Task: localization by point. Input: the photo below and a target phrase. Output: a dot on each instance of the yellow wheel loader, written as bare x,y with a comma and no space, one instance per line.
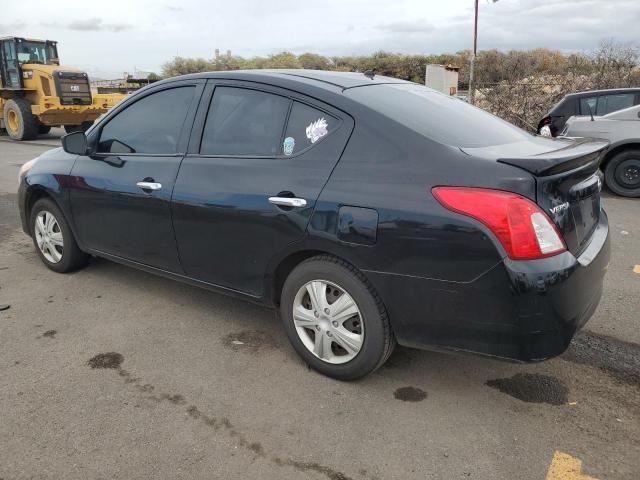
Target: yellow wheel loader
36,93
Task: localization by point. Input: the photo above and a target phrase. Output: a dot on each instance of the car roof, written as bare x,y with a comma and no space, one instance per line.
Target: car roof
329,80
602,92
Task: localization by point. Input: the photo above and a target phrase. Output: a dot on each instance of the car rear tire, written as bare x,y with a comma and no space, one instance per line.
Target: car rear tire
334,319
53,239
20,123
622,173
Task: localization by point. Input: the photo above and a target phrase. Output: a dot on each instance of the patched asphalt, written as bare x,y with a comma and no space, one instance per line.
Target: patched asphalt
616,357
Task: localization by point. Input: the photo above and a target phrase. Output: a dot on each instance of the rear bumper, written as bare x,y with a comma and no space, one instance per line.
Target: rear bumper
518,310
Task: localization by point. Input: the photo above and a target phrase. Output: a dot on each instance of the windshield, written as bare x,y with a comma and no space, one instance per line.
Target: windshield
440,117
35,52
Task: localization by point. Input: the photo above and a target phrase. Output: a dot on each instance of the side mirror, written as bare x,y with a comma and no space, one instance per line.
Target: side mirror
75,143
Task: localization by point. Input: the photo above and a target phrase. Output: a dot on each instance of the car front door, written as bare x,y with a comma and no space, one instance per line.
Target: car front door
258,159
121,194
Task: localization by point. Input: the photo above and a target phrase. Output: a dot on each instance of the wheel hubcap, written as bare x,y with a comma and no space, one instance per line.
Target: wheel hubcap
628,173
12,120
49,236
328,321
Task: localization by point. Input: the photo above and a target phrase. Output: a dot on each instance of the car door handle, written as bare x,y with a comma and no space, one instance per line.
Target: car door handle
149,185
288,201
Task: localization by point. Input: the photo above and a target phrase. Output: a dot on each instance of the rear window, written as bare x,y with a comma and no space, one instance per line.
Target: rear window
442,118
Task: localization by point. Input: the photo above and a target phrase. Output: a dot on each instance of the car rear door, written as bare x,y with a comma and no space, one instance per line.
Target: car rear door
258,159
120,195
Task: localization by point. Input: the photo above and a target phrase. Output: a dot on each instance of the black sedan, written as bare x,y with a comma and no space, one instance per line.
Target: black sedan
368,210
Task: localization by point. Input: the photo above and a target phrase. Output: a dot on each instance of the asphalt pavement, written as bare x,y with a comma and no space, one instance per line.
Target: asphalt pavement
112,373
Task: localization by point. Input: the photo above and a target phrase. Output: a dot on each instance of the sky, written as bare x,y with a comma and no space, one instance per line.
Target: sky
111,37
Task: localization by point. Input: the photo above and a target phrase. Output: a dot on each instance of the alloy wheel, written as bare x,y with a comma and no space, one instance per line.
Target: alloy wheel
49,236
328,321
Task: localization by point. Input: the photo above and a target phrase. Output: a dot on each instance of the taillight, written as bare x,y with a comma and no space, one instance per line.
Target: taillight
523,229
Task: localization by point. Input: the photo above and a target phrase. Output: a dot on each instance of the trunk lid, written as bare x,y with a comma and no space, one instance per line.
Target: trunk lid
568,181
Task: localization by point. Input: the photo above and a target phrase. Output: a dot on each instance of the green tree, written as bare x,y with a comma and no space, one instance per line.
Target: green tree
182,66
283,60
313,61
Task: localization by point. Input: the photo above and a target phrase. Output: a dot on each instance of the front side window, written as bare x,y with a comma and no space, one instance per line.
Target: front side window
35,52
244,122
588,105
9,51
613,103
151,125
11,71
307,125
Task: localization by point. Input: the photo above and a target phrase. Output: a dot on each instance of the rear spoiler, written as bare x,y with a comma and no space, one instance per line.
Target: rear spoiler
582,152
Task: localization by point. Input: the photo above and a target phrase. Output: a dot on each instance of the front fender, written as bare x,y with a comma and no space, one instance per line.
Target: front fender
47,177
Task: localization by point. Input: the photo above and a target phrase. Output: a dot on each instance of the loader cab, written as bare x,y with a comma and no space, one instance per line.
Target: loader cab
16,52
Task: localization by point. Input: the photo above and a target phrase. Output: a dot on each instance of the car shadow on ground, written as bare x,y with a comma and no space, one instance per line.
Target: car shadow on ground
455,373
404,362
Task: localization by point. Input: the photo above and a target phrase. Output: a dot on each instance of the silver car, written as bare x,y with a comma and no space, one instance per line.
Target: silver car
621,164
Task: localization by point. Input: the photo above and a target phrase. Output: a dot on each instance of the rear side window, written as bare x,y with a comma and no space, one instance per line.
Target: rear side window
151,125
244,122
442,118
307,126
613,103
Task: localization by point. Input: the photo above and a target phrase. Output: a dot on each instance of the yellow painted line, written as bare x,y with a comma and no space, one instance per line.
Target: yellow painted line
636,269
566,467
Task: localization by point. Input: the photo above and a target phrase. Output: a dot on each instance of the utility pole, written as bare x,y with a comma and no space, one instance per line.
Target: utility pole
472,81
472,85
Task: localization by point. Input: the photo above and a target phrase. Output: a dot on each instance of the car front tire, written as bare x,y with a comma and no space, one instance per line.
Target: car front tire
53,239
334,319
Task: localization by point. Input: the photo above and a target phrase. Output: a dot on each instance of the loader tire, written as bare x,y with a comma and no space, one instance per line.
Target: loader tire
44,129
20,123
72,128
78,128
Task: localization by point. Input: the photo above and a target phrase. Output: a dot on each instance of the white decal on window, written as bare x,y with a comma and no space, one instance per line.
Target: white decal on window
317,130
288,145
